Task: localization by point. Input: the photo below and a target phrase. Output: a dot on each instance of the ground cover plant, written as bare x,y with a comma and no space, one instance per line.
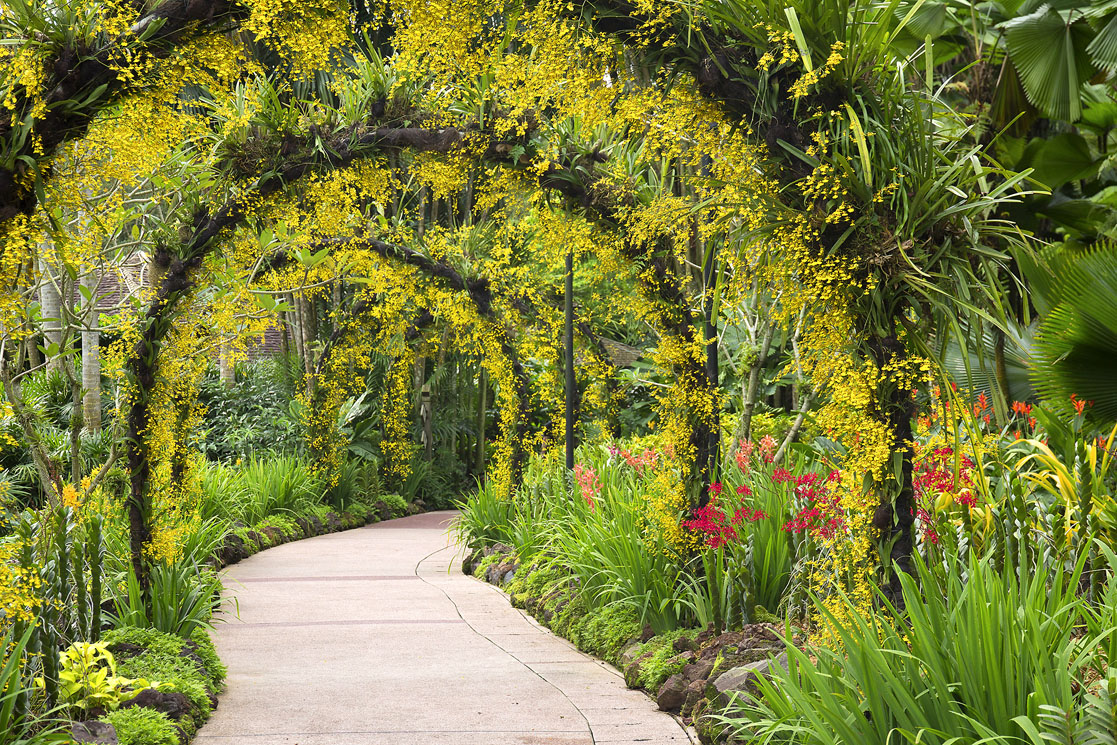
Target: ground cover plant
836,274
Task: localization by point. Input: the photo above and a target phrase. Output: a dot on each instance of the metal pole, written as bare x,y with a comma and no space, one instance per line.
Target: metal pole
568,341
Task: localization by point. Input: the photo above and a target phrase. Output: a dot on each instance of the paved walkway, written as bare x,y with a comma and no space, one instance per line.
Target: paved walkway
375,637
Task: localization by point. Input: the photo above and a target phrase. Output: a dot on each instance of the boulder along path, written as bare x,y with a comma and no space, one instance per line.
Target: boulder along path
374,636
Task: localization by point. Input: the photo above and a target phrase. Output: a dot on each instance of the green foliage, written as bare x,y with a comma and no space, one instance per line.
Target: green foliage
284,523
396,504
283,483
254,417
202,647
18,725
486,563
486,517
603,632
182,599
978,657
533,580
140,726
660,660
1076,344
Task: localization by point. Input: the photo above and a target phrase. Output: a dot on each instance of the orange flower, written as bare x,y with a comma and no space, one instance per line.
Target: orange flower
1019,407
1079,404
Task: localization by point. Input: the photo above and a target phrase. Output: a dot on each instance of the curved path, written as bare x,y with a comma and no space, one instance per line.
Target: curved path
374,636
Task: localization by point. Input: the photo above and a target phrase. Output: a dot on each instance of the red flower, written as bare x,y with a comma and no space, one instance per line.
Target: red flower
1079,404
711,521
744,490
781,475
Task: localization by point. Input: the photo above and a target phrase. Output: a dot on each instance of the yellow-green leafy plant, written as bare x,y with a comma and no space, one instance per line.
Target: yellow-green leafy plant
88,680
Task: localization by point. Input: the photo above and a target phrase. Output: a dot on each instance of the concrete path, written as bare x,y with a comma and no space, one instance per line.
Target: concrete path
375,637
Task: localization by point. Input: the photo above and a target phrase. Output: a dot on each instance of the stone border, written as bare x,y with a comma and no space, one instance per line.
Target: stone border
711,669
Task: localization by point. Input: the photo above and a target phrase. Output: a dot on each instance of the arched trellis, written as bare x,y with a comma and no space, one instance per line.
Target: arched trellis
657,283
492,347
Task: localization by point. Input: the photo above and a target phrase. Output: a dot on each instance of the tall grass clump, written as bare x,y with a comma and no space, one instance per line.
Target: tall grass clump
278,484
977,657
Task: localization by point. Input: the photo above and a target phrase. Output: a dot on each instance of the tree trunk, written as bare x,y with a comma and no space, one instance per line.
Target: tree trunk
709,278
45,466
91,355
568,342
77,422
307,332
294,318
50,304
226,370
895,515
482,409
752,385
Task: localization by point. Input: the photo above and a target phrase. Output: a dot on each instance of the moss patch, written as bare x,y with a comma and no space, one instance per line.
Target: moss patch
659,660
139,726
603,632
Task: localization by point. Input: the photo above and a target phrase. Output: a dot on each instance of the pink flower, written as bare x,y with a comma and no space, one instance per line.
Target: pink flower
744,455
589,484
767,448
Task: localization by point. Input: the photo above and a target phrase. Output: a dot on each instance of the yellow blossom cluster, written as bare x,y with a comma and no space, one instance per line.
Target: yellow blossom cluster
19,596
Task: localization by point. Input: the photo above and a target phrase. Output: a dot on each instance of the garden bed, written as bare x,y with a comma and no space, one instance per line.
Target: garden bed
689,672
185,675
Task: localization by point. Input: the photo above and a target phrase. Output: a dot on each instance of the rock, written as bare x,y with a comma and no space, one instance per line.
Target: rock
333,522
647,633
501,573
695,692
672,693
632,673
629,653
256,540
190,652
470,562
232,550
175,705
383,511
684,644
741,679
272,535
698,670
125,650
98,733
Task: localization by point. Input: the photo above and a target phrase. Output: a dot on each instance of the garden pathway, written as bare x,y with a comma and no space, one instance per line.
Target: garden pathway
374,637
